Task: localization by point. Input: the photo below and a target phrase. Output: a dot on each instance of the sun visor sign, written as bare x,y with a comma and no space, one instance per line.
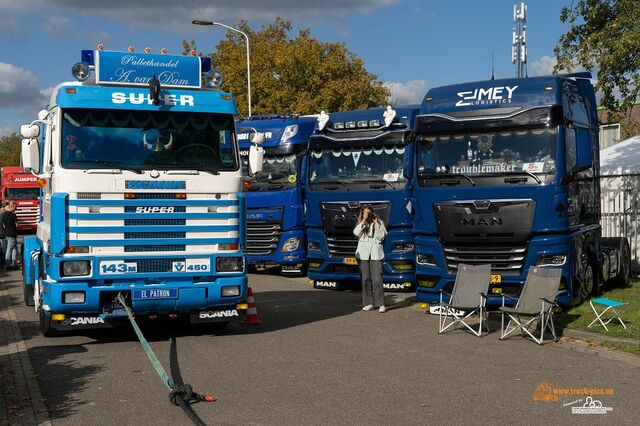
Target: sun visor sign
155,184
124,68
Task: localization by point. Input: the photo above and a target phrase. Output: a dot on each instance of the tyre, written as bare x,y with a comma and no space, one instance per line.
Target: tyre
624,268
588,280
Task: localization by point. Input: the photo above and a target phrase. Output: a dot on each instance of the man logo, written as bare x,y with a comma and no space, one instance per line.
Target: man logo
326,284
492,95
482,221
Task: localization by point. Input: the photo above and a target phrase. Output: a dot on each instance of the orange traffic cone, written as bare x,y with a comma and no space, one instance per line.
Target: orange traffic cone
252,312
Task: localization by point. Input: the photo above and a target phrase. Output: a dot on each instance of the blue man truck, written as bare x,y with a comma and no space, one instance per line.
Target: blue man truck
506,174
140,174
275,221
355,158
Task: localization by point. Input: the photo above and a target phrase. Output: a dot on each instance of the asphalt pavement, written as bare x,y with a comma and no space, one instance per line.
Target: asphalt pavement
319,359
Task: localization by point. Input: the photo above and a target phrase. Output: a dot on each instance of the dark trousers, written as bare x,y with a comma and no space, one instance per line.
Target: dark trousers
372,291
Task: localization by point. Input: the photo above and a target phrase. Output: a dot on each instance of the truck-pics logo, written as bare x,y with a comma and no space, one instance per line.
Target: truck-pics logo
482,221
155,209
155,184
492,95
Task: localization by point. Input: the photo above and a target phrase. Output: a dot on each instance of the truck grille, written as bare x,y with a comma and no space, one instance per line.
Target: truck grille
155,265
507,260
27,215
342,245
263,238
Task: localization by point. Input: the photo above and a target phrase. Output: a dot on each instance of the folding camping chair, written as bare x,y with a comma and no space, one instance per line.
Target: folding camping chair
610,304
468,297
536,301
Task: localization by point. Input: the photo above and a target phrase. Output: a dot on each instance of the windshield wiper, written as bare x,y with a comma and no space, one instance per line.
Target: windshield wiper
375,181
448,175
110,163
190,167
331,183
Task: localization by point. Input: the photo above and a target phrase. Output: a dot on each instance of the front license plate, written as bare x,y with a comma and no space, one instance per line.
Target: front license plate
155,293
495,279
350,261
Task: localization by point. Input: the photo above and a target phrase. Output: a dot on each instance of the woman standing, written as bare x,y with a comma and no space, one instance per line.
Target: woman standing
370,232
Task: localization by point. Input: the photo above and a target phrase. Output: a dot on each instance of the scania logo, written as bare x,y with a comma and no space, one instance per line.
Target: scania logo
81,321
487,221
482,204
155,184
218,314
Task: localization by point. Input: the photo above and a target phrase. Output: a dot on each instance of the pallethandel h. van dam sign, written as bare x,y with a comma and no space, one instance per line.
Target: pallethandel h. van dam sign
138,68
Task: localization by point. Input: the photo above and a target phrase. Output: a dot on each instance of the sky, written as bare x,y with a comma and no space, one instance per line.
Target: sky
411,45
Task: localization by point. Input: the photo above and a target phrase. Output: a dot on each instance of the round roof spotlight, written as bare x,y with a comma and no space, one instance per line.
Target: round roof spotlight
147,50
213,78
131,49
101,46
80,71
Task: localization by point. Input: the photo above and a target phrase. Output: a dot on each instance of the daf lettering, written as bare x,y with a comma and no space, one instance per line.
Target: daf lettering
487,221
154,209
492,95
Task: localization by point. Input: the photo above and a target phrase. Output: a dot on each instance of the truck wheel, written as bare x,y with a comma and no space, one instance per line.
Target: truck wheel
588,281
45,325
624,276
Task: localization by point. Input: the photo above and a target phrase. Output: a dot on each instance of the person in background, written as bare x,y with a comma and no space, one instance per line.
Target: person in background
2,239
370,232
10,225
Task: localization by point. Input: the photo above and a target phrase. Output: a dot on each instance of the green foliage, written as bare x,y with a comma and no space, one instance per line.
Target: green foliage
604,35
10,146
293,74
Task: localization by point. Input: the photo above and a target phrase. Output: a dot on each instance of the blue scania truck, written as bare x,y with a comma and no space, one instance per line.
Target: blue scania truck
355,158
506,173
275,221
140,175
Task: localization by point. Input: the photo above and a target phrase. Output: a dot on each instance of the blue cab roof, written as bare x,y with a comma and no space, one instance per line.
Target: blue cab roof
273,127
502,93
405,114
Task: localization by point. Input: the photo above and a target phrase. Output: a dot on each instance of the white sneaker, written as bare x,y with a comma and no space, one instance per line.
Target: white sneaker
368,308
382,309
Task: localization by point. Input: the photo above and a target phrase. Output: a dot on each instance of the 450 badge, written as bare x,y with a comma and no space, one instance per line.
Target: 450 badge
191,265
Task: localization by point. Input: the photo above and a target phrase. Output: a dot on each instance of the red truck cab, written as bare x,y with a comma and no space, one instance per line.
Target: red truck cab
22,187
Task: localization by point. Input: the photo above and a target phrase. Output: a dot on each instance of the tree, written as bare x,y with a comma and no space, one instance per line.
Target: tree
293,74
604,35
10,146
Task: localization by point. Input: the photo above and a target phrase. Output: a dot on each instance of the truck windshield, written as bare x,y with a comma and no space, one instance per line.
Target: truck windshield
163,140
278,171
22,193
381,163
477,153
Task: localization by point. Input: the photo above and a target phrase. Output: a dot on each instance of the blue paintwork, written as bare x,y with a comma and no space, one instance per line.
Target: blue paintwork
196,289
400,222
552,232
283,205
138,68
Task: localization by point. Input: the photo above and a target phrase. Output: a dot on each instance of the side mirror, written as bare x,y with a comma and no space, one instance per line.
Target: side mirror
256,156
584,160
31,155
30,131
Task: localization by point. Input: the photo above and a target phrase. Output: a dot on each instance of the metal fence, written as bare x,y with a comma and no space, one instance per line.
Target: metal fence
619,201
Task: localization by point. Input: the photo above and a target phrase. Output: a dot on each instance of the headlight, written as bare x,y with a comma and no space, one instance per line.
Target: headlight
426,259
73,296
403,247
291,244
313,245
552,260
289,132
229,264
74,268
230,291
